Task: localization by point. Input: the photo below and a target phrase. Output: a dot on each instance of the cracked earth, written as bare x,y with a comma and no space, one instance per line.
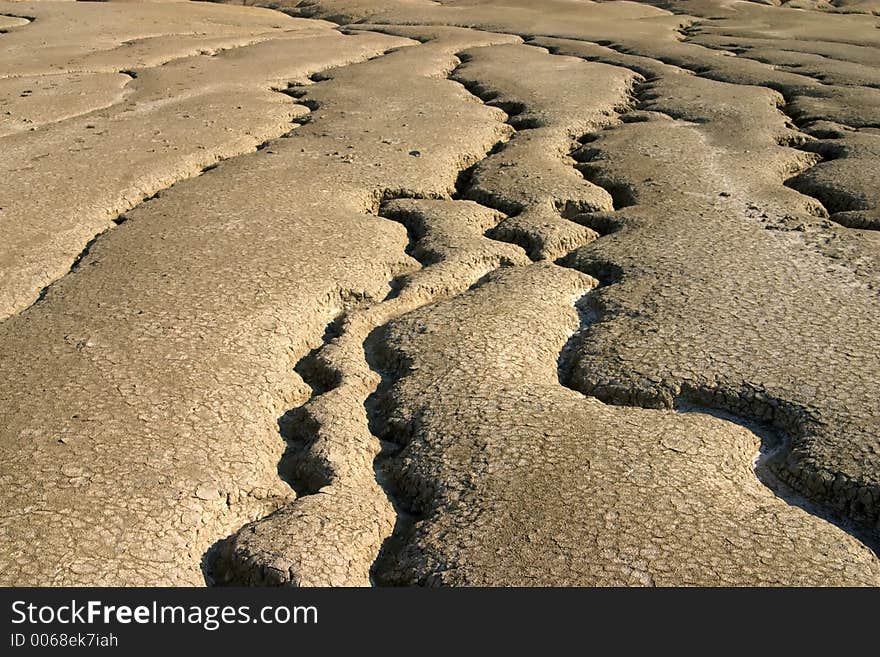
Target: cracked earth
401,292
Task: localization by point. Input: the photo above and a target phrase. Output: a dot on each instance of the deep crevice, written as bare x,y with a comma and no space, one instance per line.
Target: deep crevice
774,422
590,308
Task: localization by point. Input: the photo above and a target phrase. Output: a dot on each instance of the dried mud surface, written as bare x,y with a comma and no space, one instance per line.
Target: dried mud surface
401,292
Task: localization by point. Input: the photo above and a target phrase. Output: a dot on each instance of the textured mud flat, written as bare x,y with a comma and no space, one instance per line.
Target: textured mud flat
462,293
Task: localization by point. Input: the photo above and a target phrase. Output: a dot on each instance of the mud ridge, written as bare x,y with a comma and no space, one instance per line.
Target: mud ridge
819,142
601,222
346,378
29,19
547,242
775,445
334,450
808,136
122,217
775,442
425,317
293,90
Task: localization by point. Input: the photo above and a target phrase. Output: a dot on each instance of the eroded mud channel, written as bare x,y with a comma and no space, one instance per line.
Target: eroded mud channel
544,302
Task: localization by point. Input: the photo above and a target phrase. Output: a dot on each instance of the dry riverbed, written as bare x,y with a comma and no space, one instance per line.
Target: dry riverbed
402,292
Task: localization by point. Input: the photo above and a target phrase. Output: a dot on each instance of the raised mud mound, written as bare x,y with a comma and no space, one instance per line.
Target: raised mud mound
350,292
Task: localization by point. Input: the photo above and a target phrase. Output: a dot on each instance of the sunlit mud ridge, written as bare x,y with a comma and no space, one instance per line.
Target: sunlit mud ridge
223,110
404,559
660,375
401,292
332,533
449,498
531,177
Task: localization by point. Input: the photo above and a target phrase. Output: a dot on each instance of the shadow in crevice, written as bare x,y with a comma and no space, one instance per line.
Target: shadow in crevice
464,180
773,421
588,311
305,472
774,448
209,562
392,435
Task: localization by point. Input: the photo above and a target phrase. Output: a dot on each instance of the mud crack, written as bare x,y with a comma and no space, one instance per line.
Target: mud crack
332,532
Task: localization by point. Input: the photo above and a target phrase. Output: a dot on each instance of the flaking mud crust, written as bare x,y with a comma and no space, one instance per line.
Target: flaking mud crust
418,294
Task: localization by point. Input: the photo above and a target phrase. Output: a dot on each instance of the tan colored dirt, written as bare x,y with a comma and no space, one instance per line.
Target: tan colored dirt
473,292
